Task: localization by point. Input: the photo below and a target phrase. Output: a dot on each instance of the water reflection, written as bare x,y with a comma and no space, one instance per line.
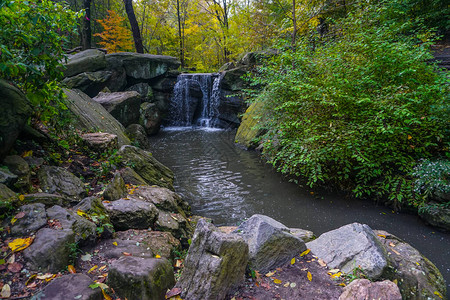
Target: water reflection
228,184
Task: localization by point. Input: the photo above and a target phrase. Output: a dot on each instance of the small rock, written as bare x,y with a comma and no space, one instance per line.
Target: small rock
59,180
141,278
71,286
50,250
116,189
34,162
131,214
173,223
305,235
19,167
215,264
100,141
34,219
138,136
351,246
269,242
7,177
362,289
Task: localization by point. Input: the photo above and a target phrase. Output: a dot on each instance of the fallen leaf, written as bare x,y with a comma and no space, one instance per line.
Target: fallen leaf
102,268
309,276
92,269
322,263
105,295
341,284
86,257
286,284
381,235
293,261
178,263
391,244
6,291
45,276
82,214
21,197
115,243
32,277
304,269
337,275
173,292
305,252
32,285
15,267
19,215
277,281
13,220
293,285
126,253
270,273
20,244
71,269
333,271
438,294
157,256
395,251
12,259
395,281
27,153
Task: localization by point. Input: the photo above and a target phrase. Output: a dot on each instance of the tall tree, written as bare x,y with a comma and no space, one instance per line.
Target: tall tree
86,33
180,33
115,37
134,26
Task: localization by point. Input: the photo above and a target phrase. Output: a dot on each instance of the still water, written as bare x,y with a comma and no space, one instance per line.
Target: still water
228,184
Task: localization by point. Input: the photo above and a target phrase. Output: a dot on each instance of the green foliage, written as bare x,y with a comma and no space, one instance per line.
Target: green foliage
358,109
33,34
432,178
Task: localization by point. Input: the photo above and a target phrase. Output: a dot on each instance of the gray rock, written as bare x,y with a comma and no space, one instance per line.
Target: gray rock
232,79
352,246
160,243
173,223
131,177
115,248
34,162
85,230
49,200
116,189
19,167
215,264
85,61
138,136
141,278
166,84
35,218
143,89
150,118
269,242
143,163
143,66
127,214
305,235
436,215
71,286
362,289
16,109
99,215
7,199
118,80
92,116
123,106
59,180
417,277
100,141
248,130
162,198
50,250
90,83
7,178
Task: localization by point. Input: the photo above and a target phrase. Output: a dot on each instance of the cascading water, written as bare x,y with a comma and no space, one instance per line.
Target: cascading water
195,100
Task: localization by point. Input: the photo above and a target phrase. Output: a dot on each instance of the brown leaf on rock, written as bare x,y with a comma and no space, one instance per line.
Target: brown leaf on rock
20,215
173,292
15,267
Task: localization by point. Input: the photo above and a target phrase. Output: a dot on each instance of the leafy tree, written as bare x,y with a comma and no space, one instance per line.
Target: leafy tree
359,109
115,37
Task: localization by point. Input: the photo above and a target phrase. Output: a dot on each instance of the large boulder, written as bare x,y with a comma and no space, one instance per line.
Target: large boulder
352,246
141,278
232,79
85,61
144,164
162,198
84,230
124,106
92,116
143,66
127,214
33,219
59,180
248,130
138,136
215,264
116,189
90,83
362,289
19,167
16,109
50,250
150,118
270,243
417,277
131,177
115,248
70,286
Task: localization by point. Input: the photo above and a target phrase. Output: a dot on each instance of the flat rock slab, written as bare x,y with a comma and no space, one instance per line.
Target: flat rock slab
59,180
141,278
100,141
124,106
49,200
85,61
34,218
362,289
162,198
71,286
352,246
90,83
131,214
270,243
215,264
115,248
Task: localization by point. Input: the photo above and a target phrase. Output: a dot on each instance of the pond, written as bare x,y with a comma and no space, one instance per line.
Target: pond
228,184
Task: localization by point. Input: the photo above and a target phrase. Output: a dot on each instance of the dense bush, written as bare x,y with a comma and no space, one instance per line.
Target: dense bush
358,109
32,37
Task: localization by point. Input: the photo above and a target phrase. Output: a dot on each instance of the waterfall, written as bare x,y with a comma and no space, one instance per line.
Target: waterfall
195,100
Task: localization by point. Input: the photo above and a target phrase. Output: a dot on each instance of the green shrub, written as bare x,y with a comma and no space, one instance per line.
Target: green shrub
358,109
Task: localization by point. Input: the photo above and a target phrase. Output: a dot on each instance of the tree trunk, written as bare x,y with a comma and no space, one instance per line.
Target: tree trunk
86,32
180,35
294,23
134,26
